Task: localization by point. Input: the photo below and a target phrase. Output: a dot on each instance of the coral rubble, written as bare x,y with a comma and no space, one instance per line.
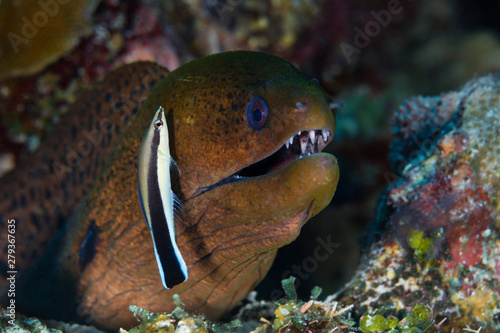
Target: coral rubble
290,315
14,322
441,245
176,321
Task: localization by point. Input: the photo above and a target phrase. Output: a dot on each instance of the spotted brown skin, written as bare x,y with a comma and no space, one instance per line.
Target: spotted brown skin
230,227
45,188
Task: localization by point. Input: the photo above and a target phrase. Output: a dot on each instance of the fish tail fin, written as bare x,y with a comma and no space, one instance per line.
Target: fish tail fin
171,264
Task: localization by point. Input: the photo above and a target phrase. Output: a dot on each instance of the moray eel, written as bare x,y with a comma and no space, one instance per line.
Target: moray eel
246,130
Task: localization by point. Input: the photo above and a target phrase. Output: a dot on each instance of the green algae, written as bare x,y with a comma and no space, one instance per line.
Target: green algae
290,314
376,323
421,245
289,288
420,320
315,292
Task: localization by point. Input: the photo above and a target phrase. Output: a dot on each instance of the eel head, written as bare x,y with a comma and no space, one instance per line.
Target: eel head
248,131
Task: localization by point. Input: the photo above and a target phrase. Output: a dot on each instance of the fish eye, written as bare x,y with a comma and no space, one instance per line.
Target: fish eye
257,113
158,124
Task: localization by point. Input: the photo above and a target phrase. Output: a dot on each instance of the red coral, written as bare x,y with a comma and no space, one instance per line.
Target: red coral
451,201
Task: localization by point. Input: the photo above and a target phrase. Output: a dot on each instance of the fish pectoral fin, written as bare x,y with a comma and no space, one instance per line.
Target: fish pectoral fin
173,166
177,205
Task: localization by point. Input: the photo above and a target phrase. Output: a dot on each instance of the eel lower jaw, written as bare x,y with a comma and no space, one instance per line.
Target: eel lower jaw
303,143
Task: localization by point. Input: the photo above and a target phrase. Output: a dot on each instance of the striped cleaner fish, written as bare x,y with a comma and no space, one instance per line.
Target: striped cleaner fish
157,199
246,130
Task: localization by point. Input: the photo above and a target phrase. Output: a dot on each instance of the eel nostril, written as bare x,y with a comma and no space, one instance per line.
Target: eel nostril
335,105
301,106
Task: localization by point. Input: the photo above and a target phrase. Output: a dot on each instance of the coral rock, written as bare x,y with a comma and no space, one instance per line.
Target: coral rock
10,321
441,243
37,34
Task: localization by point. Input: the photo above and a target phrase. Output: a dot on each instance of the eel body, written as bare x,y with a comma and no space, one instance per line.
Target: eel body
46,187
246,130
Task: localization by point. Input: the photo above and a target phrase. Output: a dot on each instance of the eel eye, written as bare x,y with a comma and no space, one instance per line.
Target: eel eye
158,124
257,113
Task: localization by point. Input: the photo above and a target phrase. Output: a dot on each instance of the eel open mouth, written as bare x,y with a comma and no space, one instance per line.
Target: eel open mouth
302,144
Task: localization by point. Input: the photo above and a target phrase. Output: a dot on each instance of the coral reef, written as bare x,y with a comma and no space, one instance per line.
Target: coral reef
216,26
417,124
19,323
441,244
118,33
176,321
14,322
307,33
71,328
290,315
419,319
430,133
286,315
34,36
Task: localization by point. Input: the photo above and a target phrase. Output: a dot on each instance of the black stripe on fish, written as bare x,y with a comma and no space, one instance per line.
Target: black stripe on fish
169,265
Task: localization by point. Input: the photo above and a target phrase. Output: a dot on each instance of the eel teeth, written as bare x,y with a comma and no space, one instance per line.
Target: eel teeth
325,134
312,135
308,142
303,144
